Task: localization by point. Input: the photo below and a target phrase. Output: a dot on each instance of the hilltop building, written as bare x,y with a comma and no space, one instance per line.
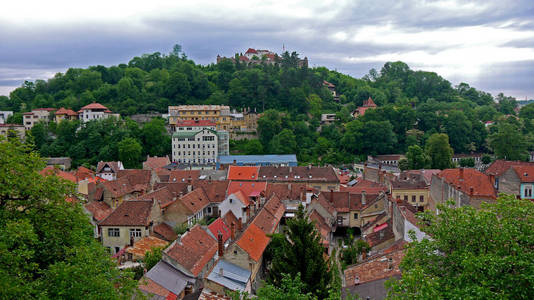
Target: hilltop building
197,142
367,104
37,115
257,56
95,111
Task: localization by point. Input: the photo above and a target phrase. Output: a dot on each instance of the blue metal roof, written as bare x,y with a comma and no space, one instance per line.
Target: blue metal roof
253,159
233,277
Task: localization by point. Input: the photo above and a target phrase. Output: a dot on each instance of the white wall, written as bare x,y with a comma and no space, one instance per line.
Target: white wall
235,205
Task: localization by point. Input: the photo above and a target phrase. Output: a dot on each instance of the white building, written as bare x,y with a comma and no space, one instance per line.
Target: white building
237,203
4,115
196,142
108,169
36,115
95,111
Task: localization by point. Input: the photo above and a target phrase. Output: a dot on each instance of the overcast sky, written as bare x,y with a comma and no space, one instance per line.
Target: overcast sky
489,43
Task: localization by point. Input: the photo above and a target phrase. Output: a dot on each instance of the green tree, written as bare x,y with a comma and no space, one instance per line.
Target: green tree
417,159
508,143
299,251
473,254
468,162
253,147
291,288
47,249
152,257
156,141
283,143
269,125
130,152
439,151
486,159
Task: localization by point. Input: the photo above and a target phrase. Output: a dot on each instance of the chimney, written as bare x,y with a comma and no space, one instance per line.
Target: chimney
381,176
461,173
363,197
492,179
471,191
220,244
221,272
232,231
364,255
240,224
332,196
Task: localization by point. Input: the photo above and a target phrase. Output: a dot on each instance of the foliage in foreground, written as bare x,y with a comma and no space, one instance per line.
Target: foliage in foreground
47,249
473,254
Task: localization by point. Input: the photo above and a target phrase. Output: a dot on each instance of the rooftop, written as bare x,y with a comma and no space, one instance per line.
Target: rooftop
257,159
129,213
243,173
469,181
253,241
378,267
145,244
247,187
155,162
218,226
94,105
195,201
99,209
229,275
500,166
193,250
299,173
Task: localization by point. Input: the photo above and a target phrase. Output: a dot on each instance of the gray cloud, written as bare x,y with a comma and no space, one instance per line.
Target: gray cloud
38,51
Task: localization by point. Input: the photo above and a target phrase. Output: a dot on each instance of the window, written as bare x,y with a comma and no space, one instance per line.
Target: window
413,198
208,138
209,210
135,232
406,198
421,198
528,191
355,216
114,232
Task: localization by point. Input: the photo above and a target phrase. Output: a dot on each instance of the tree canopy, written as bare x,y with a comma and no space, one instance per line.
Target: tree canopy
473,254
47,249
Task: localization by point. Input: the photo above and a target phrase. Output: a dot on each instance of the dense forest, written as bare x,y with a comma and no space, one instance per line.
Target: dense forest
412,106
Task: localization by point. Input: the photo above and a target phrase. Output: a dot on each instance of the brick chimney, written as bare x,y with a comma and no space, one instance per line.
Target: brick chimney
220,245
332,196
240,224
471,191
232,231
461,173
363,197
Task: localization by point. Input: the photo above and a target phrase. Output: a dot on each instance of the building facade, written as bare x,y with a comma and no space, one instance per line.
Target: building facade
37,115
94,111
17,129
4,115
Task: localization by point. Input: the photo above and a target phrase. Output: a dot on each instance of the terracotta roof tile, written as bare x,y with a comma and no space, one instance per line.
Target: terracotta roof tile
149,286
375,268
129,213
275,206
163,196
322,226
193,250
84,173
183,175
165,231
296,174
247,187
243,173
195,201
155,162
145,244
369,187
253,241
345,201
378,237
466,179
230,218
94,105
176,188
99,209
112,164
244,199
219,226
500,166
265,221
51,170
287,191
525,173
214,189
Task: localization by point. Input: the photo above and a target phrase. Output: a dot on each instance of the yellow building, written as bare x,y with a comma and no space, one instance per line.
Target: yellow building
65,114
413,187
220,114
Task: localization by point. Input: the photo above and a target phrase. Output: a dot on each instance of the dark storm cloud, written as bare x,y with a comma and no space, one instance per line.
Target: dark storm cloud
38,51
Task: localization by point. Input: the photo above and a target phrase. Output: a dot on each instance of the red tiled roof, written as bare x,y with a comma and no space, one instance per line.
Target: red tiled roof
123,186
369,103
253,241
525,173
145,244
136,176
471,179
51,170
99,209
500,166
369,187
244,199
84,173
150,286
377,267
45,109
215,189
247,187
250,50
287,191
230,218
219,226
94,105
64,111
195,123
322,226
325,203
112,164
328,84
243,173
275,206
380,236
195,200
155,162
176,188
345,201
129,213
165,231
163,196
193,250
243,58
298,174
183,175
265,221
